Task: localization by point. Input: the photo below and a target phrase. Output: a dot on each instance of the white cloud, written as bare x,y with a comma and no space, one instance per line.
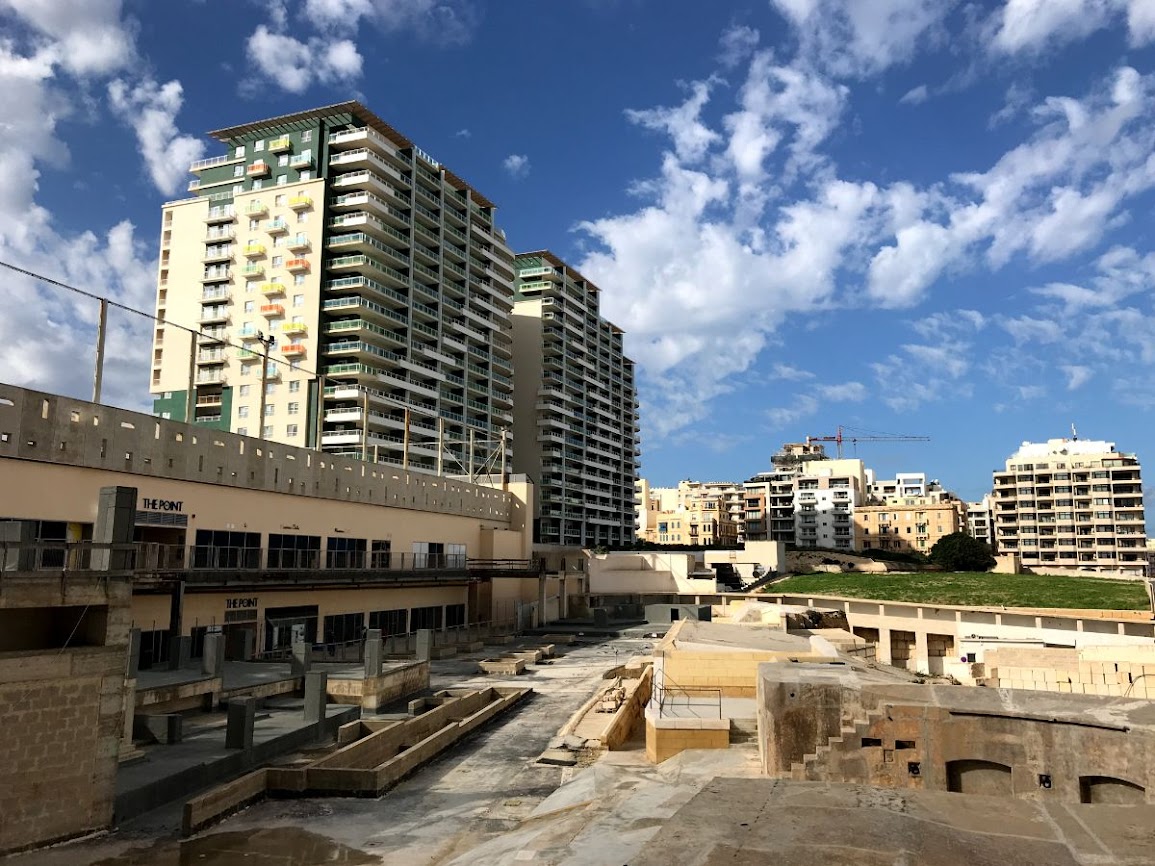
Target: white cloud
37,89
151,109
1033,26
915,96
736,44
294,65
1038,198
86,37
804,406
463,133
854,392
449,22
790,374
1077,375
856,38
1027,329
516,165
691,137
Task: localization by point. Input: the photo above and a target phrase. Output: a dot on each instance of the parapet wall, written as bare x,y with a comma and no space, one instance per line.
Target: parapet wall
48,428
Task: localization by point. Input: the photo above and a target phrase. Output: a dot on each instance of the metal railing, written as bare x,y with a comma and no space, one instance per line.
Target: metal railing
63,556
667,694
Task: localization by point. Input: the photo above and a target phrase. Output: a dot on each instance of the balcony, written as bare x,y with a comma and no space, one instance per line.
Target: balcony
272,288
301,201
276,226
211,315
212,162
272,310
254,251
280,145
297,266
215,274
253,270
220,214
249,333
299,244
256,209
260,168
294,328
211,377
301,160
294,349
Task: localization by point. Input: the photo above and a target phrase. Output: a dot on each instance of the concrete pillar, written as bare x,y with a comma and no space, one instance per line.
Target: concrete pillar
373,656
882,651
241,721
316,699
115,521
424,644
541,595
21,534
563,596
179,652
921,660
213,660
444,618
132,666
300,659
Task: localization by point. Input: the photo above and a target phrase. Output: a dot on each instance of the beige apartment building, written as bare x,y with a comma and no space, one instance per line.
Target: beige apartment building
907,528
703,513
575,420
980,521
347,292
776,489
1068,504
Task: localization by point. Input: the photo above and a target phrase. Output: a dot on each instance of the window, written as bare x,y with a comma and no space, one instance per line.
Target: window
239,153
252,285
250,306
282,160
238,188
291,430
302,217
299,280
270,388
258,146
268,431
244,390
238,171
258,183
306,175
294,408
242,431
390,622
254,225
298,300
307,135
270,410
246,370
294,386
242,411
282,179
279,201
343,552
278,261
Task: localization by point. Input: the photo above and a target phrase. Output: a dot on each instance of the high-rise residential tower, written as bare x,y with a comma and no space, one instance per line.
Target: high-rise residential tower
1072,504
576,418
371,275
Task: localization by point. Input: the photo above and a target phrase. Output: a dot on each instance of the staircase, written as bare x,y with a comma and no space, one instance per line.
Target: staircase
812,767
743,731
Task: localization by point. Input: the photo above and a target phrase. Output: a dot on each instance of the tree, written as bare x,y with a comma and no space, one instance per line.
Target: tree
961,552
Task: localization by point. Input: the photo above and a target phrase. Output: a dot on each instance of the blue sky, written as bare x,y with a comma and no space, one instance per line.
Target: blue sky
904,216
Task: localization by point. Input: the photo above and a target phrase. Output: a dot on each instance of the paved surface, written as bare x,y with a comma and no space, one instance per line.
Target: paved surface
476,791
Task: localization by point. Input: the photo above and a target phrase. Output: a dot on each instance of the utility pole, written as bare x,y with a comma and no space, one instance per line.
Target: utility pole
101,327
266,343
190,394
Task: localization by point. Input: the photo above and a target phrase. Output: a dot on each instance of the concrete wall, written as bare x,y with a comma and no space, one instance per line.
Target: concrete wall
771,555
631,713
1117,671
949,738
646,572
74,435
929,624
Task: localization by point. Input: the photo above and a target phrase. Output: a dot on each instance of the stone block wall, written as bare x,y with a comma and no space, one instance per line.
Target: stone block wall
62,714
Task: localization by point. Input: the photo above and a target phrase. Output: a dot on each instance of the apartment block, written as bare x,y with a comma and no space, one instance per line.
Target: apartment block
826,495
706,513
575,422
908,528
777,488
348,293
1072,504
980,521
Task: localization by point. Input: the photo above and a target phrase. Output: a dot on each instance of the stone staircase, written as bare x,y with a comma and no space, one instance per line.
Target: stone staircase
811,767
743,731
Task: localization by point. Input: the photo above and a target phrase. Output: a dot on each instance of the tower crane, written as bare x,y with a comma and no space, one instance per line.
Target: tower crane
888,437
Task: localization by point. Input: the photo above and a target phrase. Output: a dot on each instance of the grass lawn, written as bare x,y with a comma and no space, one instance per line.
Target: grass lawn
975,588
